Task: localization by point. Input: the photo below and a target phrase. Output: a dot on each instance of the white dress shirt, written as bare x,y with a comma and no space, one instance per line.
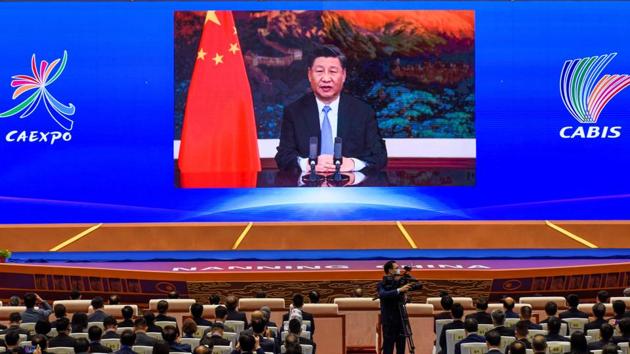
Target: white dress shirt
333,118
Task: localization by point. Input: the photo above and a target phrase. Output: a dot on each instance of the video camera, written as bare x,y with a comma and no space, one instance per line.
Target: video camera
390,282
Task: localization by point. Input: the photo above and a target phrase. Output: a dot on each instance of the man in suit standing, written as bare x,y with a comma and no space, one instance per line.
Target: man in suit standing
471,326
391,319
326,114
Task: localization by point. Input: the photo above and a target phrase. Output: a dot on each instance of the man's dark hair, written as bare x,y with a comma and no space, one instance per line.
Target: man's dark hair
95,333
75,294
41,340
471,325
149,317
258,325
446,302
81,345
220,311
60,310
390,264
79,322
603,296
173,295
196,310
97,303
539,343
518,347
12,337
606,332
624,326
327,51
261,295
481,304
63,324
498,317
293,349
29,300
457,311
298,300
522,328
162,306
573,300
15,317
609,348
599,310
231,302
14,300
161,347
42,327
169,333
578,342
493,338
526,312
114,300
553,325
140,322
127,312
551,308
109,322
618,306
214,299
246,342
127,337
203,349
295,326
314,297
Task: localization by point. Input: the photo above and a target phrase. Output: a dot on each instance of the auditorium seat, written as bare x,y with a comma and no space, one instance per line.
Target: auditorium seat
467,302
26,344
558,347
594,333
30,327
588,308
474,348
119,330
221,349
142,349
174,305
361,320
238,326
453,336
73,306
232,337
507,340
576,324
511,322
622,298
539,302
156,335
438,331
208,311
200,330
60,350
484,328
115,310
532,332
78,335
496,306
165,323
5,311
111,343
276,304
193,342
331,327
96,324
564,328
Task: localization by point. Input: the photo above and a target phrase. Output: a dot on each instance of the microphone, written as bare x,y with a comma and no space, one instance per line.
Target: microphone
312,151
337,157
312,179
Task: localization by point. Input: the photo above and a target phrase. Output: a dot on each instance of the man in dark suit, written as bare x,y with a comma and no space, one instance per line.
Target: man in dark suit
498,319
140,328
391,320
94,334
446,302
521,333
296,328
127,338
196,310
171,336
573,301
149,318
471,327
110,328
605,333
127,314
162,307
326,114
599,311
481,315
214,336
99,313
493,342
624,328
82,346
457,312
14,324
508,306
526,316
298,303
553,326
231,303
539,343
63,338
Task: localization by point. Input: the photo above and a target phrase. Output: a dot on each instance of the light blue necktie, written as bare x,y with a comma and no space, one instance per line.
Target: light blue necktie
327,138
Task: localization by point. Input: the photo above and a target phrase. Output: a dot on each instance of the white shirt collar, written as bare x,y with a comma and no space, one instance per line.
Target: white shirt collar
334,105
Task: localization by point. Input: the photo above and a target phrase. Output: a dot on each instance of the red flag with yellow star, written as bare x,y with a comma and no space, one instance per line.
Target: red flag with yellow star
219,146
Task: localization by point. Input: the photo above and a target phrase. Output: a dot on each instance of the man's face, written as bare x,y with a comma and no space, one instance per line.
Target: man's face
326,77
395,269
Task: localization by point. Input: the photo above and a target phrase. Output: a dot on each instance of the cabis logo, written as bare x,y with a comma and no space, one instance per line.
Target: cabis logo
585,99
40,81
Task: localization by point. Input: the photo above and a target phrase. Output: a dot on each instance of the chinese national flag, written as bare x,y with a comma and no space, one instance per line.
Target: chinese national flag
219,146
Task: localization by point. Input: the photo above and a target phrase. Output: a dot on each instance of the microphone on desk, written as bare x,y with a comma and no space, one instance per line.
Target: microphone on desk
337,177
312,179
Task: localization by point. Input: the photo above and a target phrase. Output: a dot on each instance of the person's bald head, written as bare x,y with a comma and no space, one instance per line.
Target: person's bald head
539,343
258,315
518,347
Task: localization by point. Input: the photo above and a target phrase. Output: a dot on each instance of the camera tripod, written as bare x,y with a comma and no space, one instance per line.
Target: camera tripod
406,326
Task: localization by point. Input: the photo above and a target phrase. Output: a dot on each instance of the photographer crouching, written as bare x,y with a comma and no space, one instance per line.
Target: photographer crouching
394,319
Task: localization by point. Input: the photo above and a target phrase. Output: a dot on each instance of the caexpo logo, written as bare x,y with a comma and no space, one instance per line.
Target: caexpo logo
585,96
43,76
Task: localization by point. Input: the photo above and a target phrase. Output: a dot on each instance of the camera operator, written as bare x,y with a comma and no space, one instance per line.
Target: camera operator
392,293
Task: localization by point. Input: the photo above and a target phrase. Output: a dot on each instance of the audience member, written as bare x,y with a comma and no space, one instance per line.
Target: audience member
94,334
539,343
493,342
313,296
248,345
43,327
295,328
298,303
606,332
214,336
114,300
599,311
99,313
220,316
258,328
261,295
142,338
573,301
619,307
498,320
127,314
447,303
14,300
75,294
60,311
602,296
170,334
626,292
149,318
63,338
624,328
32,315
202,349
214,299
162,307
610,349
457,312
127,338
81,346
173,295
79,322
578,343
12,342
470,328
553,327
357,292
551,309
508,308
15,319
521,333
40,342
231,303
189,328
266,311
161,347
518,347
526,316
110,328
196,310
481,314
